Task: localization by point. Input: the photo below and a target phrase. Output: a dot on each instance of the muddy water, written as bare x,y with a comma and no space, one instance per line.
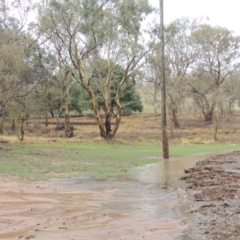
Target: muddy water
146,204
164,178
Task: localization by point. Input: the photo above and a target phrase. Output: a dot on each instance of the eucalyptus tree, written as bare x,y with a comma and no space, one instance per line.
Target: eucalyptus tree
90,32
58,76
218,57
50,88
130,99
152,75
18,68
179,57
231,92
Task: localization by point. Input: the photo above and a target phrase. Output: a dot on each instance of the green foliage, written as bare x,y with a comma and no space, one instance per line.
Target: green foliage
131,13
130,99
76,100
79,100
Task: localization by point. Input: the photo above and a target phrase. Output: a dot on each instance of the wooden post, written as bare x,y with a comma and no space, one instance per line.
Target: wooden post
164,112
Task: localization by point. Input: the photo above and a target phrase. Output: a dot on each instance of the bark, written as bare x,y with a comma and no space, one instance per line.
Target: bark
68,133
118,120
13,126
106,130
215,133
108,125
1,124
22,121
175,118
155,112
119,108
66,116
218,118
208,115
207,107
96,111
173,107
204,104
21,137
65,93
2,115
46,105
231,105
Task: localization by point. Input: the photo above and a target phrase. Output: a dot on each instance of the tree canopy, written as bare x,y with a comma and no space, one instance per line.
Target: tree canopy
80,55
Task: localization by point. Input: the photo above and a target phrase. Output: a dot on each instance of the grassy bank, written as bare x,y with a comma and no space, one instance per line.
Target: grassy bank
40,161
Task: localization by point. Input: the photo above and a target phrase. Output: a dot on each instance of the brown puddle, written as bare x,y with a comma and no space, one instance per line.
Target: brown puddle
148,204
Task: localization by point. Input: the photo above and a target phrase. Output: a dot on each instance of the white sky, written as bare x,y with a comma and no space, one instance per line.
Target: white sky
220,12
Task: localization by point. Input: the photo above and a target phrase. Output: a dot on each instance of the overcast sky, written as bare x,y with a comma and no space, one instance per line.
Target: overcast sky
220,12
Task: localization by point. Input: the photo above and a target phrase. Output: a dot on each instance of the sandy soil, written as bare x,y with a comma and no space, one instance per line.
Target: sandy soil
213,188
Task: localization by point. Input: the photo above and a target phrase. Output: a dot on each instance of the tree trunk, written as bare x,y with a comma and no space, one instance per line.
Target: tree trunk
66,124
119,110
173,108
13,126
108,116
2,115
96,111
206,108
218,118
46,105
215,132
1,124
46,116
208,116
68,134
22,120
118,120
108,126
21,137
175,118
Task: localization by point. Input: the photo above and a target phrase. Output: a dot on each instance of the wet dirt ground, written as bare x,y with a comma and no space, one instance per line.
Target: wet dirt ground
214,188
151,203
71,210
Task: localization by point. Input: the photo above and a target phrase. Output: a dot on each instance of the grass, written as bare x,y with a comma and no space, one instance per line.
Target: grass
190,149
44,161
41,161
46,156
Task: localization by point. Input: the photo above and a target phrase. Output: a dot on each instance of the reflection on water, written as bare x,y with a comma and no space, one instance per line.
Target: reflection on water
165,172
168,172
164,177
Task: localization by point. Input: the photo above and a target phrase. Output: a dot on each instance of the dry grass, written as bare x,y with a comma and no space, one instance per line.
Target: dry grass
136,128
